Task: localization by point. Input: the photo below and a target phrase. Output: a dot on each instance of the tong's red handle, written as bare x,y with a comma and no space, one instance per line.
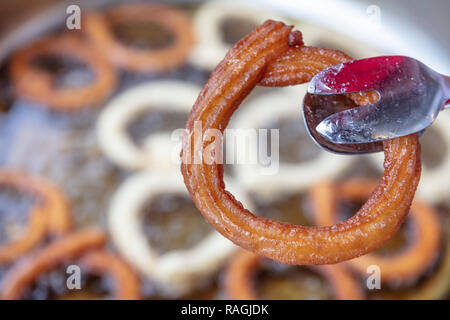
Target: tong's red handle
360,75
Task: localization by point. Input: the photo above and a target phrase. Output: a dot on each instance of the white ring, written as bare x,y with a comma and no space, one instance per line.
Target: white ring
171,95
178,271
319,36
434,185
286,103
210,48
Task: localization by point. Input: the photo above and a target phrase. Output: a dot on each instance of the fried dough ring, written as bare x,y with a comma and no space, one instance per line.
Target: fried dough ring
404,266
50,215
103,262
98,27
251,61
67,248
37,85
435,286
239,286
34,233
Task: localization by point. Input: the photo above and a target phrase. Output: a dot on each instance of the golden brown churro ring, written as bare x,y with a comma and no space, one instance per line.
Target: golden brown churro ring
38,85
406,265
239,278
50,215
246,64
99,28
73,246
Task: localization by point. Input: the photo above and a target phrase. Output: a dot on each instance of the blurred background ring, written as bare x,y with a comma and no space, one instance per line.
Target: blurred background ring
403,265
241,273
100,28
179,271
32,83
219,24
112,123
50,216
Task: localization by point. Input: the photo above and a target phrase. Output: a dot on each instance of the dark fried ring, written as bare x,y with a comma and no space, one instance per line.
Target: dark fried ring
37,85
103,262
50,216
67,248
409,264
98,27
239,286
